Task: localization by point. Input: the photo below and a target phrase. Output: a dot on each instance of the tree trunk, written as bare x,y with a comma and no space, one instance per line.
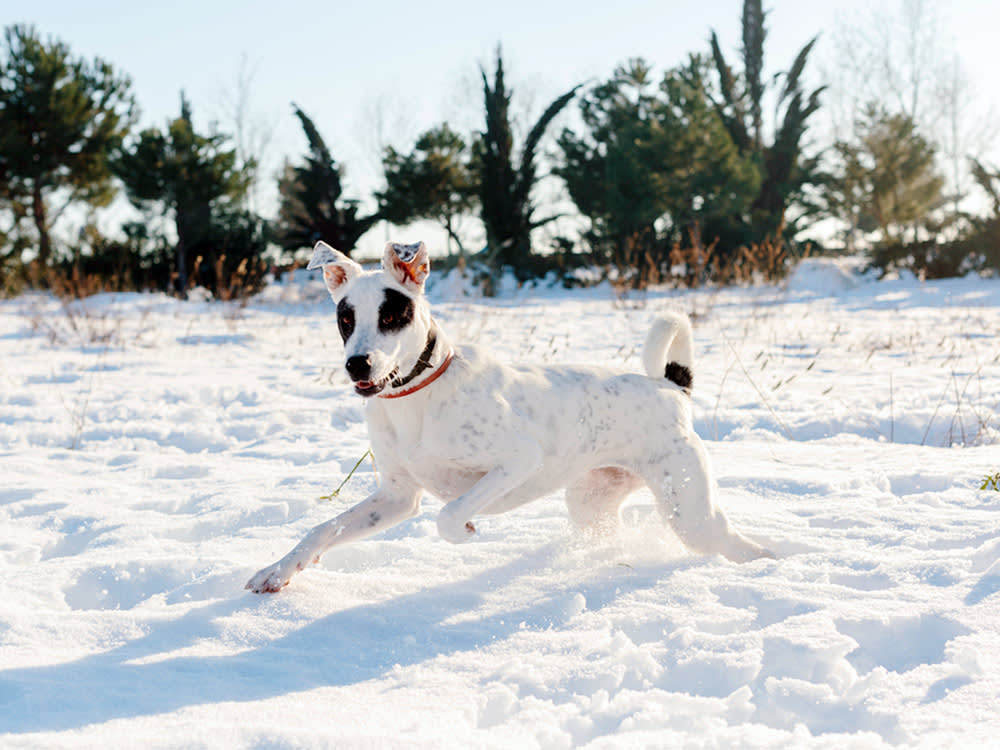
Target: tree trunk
181,255
452,235
194,219
38,212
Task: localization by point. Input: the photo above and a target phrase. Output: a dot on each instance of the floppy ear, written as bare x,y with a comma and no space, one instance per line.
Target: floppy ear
338,269
407,264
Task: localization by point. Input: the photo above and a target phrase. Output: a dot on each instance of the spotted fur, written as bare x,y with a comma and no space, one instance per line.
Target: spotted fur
486,437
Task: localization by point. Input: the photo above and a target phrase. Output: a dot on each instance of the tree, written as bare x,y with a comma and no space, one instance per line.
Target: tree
903,54
435,181
185,174
890,55
60,119
989,181
311,207
711,185
654,166
252,131
887,176
844,193
606,168
506,181
785,170
985,234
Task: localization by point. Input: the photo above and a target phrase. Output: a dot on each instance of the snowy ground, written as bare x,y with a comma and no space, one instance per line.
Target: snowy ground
154,454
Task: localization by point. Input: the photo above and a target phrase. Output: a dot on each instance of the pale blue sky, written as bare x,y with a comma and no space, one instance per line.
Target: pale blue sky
418,61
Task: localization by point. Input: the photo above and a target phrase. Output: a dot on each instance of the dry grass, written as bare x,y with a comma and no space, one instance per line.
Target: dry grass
694,264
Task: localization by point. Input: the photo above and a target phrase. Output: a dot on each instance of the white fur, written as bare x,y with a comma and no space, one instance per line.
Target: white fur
669,340
486,437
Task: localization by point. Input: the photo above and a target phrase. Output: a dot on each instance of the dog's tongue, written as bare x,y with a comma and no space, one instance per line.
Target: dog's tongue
363,384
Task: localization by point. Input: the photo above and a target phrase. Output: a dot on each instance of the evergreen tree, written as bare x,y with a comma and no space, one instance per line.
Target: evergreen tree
843,191
606,167
984,234
506,181
989,181
785,171
311,207
708,181
653,166
60,119
185,174
435,182
889,173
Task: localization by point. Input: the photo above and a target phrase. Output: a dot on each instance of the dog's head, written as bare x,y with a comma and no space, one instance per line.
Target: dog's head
382,315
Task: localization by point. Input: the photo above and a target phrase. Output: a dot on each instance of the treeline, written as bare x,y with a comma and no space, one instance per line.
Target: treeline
706,172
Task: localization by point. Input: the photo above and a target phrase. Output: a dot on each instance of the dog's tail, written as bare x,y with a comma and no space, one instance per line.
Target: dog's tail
667,353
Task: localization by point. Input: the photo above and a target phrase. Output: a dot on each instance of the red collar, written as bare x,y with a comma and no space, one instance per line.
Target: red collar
437,373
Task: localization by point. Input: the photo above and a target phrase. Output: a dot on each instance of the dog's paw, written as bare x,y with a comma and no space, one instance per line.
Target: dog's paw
269,580
745,550
454,530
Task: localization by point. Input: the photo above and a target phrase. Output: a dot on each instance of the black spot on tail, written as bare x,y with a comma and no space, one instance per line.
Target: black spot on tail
679,374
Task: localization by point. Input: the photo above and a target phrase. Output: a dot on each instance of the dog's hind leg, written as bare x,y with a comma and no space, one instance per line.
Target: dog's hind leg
593,500
389,505
683,491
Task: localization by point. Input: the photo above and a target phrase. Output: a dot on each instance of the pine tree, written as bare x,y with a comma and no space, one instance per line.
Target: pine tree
607,169
785,171
984,234
186,175
435,181
989,181
899,185
60,119
311,204
653,166
505,186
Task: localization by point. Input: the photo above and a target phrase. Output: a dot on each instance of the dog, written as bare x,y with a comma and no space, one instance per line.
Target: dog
486,437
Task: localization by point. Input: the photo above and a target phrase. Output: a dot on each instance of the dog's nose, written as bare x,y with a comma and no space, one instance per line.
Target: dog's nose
359,367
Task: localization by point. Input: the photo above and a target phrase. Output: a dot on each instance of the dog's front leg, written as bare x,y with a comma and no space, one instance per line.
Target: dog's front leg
455,519
384,508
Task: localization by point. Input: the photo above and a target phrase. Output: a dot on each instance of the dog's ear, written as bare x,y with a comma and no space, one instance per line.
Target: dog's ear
338,269
407,264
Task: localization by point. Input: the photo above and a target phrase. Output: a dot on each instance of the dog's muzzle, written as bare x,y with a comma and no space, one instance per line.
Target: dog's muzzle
368,388
364,385
359,368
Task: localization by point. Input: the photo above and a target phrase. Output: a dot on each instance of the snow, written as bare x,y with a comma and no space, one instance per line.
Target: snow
155,453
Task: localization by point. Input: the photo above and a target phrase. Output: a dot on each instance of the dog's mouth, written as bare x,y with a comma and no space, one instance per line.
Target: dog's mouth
368,388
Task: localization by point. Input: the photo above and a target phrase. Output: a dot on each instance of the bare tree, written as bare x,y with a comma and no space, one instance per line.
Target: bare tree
252,130
902,57
966,132
893,57
385,121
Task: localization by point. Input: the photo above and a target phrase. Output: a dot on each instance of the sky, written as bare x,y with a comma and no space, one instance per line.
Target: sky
374,74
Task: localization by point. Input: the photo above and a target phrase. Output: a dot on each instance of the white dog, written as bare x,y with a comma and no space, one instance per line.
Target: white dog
487,437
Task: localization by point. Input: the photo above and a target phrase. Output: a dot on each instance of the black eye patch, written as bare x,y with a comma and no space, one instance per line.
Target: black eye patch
345,319
395,313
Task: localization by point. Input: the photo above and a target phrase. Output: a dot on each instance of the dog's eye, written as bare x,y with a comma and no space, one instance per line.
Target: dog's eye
395,312
345,322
